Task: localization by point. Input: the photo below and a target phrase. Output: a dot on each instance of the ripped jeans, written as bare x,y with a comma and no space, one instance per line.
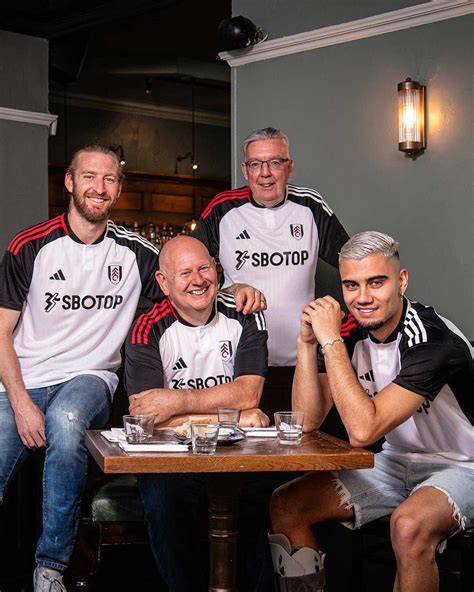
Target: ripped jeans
70,409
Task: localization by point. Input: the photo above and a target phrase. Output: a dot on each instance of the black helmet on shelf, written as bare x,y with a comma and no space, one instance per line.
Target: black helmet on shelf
238,32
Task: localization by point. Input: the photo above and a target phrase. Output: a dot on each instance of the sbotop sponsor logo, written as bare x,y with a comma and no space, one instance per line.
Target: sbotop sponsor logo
242,257
276,259
79,302
200,382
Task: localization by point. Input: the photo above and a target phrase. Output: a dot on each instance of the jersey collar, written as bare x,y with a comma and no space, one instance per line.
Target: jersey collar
280,203
77,239
398,329
187,324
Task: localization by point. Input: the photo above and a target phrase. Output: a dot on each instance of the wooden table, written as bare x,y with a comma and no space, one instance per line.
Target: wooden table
317,452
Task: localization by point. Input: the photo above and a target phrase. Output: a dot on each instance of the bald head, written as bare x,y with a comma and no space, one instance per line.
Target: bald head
187,275
177,246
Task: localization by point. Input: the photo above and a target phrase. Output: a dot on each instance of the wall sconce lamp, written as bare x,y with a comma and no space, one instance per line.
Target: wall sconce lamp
411,118
147,85
179,159
120,153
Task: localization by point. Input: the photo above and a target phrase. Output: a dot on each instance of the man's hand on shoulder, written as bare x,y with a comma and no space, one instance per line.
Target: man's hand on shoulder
247,298
161,403
254,418
29,421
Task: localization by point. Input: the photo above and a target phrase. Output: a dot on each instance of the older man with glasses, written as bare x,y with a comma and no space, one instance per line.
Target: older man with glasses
270,235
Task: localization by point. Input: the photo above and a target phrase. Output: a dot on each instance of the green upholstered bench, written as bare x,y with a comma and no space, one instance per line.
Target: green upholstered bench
115,518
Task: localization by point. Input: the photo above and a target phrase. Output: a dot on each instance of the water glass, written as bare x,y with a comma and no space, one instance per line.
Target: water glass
289,425
138,428
228,417
204,437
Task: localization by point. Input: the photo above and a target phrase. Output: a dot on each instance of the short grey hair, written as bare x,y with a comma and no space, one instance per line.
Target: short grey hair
266,133
370,242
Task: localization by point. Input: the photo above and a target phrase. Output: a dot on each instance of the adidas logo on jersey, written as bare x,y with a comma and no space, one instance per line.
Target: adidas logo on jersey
243,235
59,275
180,364
368,376
369,379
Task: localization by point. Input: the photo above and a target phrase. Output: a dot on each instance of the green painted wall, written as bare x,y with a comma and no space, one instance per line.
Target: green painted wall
339,106
23,146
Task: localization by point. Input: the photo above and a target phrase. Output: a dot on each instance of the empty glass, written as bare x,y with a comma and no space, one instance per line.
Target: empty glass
138,428
289,425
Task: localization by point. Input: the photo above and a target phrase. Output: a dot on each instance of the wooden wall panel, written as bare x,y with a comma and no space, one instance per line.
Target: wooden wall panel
172,203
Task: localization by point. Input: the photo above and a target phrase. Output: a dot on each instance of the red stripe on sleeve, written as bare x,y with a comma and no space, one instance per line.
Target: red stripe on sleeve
37,231
145,321
225,196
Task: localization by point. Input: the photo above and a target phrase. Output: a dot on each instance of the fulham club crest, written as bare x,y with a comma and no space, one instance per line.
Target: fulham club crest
115,273
296,231
226,350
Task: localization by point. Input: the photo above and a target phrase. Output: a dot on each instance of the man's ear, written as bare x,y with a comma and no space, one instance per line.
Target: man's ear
291,166
161,279
69,181
403,281
245,172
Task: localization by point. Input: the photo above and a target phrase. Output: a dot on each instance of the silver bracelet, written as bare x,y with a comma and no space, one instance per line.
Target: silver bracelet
329,343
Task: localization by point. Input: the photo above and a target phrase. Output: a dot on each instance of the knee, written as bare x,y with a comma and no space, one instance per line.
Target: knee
409,534
65,429
284,503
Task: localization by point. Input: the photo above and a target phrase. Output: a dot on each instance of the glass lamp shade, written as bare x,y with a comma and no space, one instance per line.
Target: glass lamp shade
411,116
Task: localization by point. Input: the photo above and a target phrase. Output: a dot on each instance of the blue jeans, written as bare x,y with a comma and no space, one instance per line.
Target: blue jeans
176,513
374,493
70,408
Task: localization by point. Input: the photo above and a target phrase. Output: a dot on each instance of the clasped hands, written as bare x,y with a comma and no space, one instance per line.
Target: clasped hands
321,321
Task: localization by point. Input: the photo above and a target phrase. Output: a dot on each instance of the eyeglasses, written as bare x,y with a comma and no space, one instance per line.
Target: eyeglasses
273,163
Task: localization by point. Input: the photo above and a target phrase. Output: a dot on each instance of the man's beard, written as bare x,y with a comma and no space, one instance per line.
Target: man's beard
372,326
88,214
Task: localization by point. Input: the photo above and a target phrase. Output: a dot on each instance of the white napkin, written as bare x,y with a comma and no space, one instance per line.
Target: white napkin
114,435
261,432
153,447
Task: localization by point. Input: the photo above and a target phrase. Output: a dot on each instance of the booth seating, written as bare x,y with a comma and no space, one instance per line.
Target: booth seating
372,543
115,517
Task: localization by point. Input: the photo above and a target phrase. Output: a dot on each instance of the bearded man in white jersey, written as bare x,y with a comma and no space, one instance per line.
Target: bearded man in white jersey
69,288
394,368
270,235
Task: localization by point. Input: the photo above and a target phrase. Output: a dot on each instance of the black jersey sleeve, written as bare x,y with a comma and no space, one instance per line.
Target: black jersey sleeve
207,231
427,367
143,364
332,237
252,354
148,264
15,278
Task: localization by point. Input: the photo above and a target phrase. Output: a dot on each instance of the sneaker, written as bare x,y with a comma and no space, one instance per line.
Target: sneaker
46,579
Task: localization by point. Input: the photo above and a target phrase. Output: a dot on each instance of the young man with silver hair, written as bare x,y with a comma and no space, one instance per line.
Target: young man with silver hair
394,368
270,234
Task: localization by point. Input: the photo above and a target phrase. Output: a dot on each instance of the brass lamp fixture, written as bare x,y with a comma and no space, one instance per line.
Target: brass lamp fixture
411,118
